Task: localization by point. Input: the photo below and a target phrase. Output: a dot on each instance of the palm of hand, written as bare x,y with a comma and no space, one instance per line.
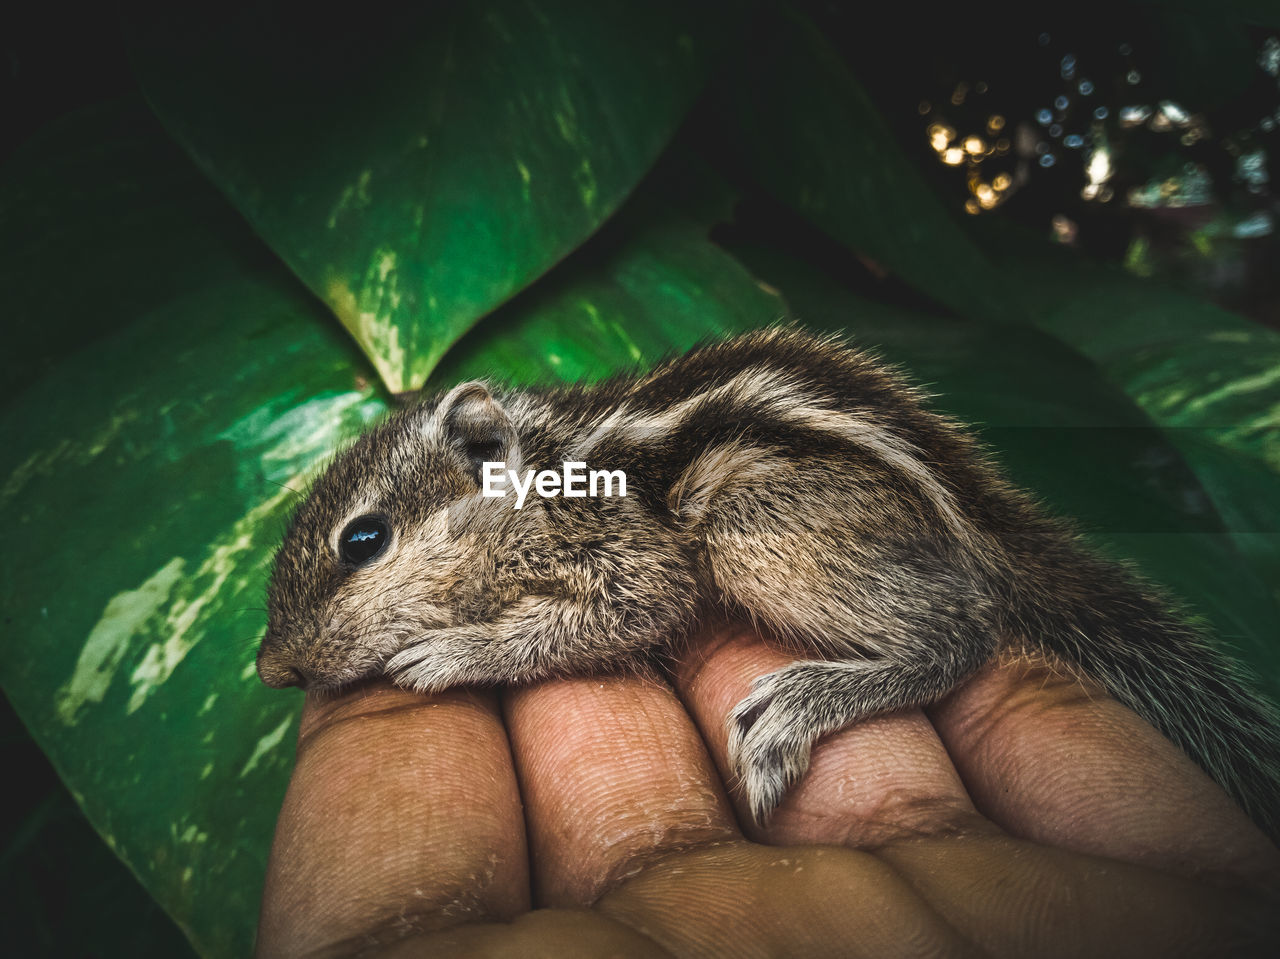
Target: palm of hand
1024,815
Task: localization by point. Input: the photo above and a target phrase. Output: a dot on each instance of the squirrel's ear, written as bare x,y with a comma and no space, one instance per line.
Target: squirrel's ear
474,423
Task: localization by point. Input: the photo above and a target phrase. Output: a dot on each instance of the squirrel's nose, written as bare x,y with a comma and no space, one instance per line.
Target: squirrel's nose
278,670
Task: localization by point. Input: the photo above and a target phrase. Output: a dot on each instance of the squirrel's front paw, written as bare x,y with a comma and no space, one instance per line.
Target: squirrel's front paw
438,659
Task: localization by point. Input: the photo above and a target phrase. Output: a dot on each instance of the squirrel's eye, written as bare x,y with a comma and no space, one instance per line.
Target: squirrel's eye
363,539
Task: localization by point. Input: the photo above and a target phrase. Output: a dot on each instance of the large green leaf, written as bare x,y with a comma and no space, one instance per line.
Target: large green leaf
186,377
1191,365
1209,377
418,168
155,469
652,287
160,464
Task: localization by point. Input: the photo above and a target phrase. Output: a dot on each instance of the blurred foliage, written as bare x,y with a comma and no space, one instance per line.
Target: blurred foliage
556,190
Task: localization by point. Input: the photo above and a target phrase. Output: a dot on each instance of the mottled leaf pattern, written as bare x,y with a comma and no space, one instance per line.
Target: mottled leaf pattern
417,171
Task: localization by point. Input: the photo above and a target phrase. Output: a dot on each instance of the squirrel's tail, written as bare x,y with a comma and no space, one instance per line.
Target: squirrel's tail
1105,620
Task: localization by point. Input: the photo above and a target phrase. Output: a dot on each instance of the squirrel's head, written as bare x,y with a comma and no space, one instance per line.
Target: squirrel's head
388,542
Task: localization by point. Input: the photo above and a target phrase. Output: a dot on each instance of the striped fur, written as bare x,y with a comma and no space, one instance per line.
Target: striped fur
779,477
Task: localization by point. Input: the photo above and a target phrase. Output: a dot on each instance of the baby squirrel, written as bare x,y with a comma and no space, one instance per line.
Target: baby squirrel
781,477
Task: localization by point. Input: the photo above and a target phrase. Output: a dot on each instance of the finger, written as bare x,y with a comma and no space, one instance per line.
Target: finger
613,776
558,933
1010,897
402,815
1059,761
882,778
745,900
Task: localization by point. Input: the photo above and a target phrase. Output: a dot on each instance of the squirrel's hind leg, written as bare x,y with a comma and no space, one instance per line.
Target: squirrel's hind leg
898,613
772,730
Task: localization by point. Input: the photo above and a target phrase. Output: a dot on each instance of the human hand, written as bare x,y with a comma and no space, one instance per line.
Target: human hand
1024,815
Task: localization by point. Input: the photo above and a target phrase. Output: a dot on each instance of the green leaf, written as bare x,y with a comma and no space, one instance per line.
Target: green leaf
188,377
419,168
650,286
153,472
1209,377
1191,365
152,510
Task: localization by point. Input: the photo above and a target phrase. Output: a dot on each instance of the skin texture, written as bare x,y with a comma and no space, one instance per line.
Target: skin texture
1023,815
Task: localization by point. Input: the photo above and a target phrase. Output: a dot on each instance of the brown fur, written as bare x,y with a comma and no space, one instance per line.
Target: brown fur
779,477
